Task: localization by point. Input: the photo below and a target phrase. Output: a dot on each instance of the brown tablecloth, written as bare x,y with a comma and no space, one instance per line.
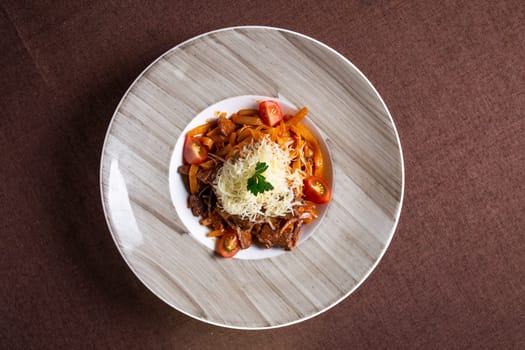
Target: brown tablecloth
453,77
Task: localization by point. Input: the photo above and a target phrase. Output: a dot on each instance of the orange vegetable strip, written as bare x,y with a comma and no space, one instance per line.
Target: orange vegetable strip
296,165
304,133
308,152
192,176
201,129
308,168
224,151
206,141
246,120
207,164
214,132
283,129
298,116
233,136
248,112
230,153
297,149
273,134
314,145
206,221
259,133
217,139
244,133
215,233
318,161
243,143
283,141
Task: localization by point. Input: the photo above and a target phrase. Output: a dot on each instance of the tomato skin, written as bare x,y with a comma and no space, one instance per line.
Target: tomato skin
228,245
194,152
270,113
316,189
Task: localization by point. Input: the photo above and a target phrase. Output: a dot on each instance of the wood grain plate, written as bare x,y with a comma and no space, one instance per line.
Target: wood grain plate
367,165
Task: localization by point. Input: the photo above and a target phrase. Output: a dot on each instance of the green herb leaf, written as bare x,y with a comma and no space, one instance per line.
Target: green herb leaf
257,183
260,167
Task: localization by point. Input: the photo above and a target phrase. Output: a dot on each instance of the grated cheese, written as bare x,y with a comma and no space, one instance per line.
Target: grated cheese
231,183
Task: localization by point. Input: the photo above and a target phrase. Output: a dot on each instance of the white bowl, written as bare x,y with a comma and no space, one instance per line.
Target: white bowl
178,187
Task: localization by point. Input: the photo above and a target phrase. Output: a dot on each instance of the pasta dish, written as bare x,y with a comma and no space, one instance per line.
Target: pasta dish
254,177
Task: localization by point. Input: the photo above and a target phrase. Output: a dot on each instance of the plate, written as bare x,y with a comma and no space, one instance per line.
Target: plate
147,225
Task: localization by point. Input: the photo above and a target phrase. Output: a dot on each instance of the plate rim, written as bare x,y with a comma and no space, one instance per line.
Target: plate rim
397,215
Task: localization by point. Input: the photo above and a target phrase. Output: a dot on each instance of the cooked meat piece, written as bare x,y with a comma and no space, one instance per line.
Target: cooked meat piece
288,225
245,238
256,229
226,125
196,205
243,224
184,169
213,221
207,198
306,212
285,236
289,234
225,216
296,235
268,236
206,175
216,221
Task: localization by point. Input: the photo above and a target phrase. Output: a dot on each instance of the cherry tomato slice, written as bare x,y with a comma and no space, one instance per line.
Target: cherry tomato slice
270,113
228,245
194,152
316,189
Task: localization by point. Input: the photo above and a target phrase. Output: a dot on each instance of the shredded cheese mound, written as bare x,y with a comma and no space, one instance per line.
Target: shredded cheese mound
231,183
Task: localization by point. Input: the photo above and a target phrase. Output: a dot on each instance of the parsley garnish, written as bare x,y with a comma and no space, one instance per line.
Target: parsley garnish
257,183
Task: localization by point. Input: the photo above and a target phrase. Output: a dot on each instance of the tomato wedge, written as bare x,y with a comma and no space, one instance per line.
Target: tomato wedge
194,152
228,245
316,189
270,113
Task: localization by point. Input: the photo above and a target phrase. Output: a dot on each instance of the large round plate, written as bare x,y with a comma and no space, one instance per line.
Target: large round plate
367,166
